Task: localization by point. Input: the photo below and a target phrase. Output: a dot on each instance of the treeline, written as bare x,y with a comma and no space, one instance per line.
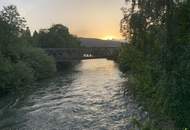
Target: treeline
21,60
57,36
157,58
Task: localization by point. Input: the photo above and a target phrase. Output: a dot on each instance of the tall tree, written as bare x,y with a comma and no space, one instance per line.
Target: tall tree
158,31
57,36
10,15
20,63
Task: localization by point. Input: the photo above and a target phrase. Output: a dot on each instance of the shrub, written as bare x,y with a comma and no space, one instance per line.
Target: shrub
14,75
42,64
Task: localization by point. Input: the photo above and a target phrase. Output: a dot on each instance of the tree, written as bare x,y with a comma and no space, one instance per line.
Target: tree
57,36
26,35
20,63
11,16
158,56
35,38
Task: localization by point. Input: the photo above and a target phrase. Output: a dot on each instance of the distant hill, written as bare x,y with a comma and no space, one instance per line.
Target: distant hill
92,42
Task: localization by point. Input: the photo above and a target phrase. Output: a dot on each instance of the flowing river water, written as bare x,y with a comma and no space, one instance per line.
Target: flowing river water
89,96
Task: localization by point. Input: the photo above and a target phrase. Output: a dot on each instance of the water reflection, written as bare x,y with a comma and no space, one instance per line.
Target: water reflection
88,97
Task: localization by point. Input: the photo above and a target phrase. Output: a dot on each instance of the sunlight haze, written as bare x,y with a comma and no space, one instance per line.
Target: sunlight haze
84,18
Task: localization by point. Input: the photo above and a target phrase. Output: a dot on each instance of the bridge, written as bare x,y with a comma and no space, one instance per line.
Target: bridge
70,54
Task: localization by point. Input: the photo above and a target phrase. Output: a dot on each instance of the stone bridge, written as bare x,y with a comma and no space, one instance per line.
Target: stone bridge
70,54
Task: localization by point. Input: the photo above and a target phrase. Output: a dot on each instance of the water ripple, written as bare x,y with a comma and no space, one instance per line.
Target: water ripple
89,97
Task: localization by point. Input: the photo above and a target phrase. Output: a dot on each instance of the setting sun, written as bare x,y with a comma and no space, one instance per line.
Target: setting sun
108,37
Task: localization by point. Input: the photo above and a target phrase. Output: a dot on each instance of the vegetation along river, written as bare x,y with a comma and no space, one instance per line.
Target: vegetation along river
89,96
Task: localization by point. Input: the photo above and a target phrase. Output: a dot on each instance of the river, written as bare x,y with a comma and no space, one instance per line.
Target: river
89,96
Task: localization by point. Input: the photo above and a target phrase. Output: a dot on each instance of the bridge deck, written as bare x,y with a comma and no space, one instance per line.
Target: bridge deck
69,54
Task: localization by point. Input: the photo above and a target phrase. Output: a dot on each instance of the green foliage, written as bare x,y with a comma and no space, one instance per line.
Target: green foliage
147,125
43,65
11,16
127,62
157,59
21,74
57,36
14,75
20,63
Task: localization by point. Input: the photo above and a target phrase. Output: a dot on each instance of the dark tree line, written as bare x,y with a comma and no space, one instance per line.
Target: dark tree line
57,36
21,60
157,60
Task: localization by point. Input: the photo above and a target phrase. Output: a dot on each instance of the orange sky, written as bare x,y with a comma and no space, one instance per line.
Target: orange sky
85,18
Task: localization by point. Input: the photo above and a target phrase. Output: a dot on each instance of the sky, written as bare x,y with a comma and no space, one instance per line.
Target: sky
84,18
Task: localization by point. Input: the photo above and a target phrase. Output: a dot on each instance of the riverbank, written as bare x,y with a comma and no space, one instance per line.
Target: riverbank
157,59
154,121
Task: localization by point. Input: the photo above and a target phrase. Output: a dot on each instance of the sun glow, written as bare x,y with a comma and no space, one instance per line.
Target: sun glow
108,37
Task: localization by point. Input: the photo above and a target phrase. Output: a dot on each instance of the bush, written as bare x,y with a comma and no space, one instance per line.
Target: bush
131,59
14,75
22,74
33,64
42,64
